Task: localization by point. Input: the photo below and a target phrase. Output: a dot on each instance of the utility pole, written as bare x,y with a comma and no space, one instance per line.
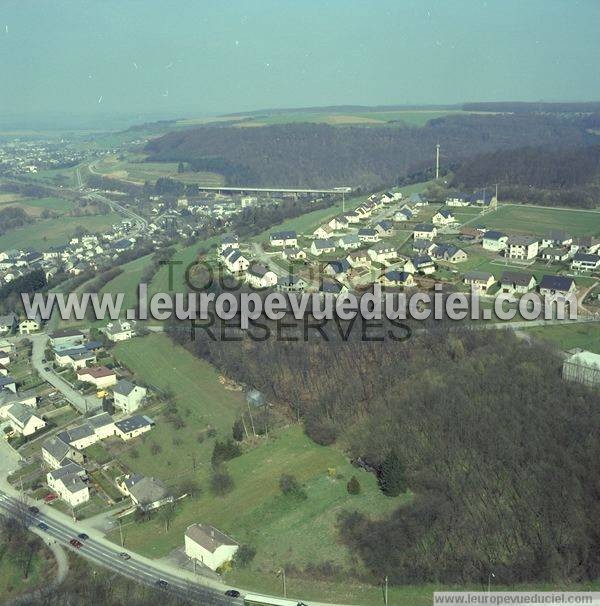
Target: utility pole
343,202
121,531
437,161
282,574
385,594
490,575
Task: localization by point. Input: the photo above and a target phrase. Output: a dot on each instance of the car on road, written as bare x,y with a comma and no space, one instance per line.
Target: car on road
75,543
43,526
83,536
34,510
125,555
50,497
44,360
232,593
162,584
47,368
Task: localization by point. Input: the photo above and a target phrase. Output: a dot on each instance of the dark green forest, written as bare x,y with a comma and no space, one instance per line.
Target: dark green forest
320,155
502,455
566,177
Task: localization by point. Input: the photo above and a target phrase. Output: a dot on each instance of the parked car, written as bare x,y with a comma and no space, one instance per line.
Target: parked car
125,555
162,584
75,543
34,510
83,536
50,497
43,526
232,593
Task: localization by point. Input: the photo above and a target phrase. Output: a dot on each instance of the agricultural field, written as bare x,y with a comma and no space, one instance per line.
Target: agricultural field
539,220
398,118
127,282
134,169
52,232
34,207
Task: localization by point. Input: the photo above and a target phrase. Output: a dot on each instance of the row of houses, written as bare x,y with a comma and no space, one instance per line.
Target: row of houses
514,283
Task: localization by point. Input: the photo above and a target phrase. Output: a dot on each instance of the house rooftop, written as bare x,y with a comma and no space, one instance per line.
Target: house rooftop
124,387
134,423
208,537
97,372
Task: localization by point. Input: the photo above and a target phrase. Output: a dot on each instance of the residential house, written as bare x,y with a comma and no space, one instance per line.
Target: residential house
561,286
368,234
66,338
229,241
423,247
393,277
482,198
359,258
283,238
338,223
337,269
384,228
514,282
291,283
75,358
332,287
8,383
349,242
120,330
494,241
128,397
353,217
56,453
209,546
522,248
68,482
323,232
29,325
424,231
555,254
259,276
585,262
558,238
450,253
320,246
100,376
135,426
8,323
234,260
422,264
383,252
458,199
23,420
102,424
586,244
402,215
418,200
146,493
443,218
293,254
479,281
79,437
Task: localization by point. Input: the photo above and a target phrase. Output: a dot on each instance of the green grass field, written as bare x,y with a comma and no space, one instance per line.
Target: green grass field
127,282
569,336
201,400
52,232
540,220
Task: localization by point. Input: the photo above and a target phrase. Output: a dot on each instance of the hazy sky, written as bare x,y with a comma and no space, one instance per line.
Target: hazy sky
184,57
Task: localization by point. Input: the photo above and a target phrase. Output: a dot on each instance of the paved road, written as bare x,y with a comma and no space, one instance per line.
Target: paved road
106,554
83,404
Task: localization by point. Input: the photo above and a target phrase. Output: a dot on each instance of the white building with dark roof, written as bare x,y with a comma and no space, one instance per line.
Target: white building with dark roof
128,397
209,546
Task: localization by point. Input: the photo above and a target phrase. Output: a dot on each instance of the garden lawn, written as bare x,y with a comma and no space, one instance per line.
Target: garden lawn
569,336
